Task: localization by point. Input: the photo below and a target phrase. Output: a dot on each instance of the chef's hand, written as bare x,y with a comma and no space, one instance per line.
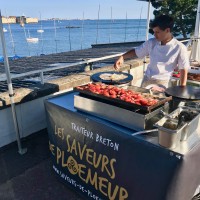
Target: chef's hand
157,89
118,63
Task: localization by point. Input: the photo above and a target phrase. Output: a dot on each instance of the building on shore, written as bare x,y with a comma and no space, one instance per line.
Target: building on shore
31,20
9,20
26,20
19,20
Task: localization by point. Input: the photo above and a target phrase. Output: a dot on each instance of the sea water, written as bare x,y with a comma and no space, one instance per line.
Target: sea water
70,35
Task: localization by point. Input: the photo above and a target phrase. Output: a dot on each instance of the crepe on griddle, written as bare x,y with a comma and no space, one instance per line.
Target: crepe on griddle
112,77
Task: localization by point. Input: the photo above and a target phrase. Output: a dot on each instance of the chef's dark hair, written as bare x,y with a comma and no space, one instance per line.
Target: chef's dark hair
163,22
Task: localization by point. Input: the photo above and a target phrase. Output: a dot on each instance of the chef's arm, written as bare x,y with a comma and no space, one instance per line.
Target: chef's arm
129,54
183,77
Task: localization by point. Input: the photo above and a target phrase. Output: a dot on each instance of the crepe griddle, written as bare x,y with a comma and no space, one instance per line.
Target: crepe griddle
120,103
184,92
96,78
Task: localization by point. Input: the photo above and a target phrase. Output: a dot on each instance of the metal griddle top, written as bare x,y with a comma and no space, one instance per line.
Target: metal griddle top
184,92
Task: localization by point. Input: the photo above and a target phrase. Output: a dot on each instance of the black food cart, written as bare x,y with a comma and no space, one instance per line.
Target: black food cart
101,159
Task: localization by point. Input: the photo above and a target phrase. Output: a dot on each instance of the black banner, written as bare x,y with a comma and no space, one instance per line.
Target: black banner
102,162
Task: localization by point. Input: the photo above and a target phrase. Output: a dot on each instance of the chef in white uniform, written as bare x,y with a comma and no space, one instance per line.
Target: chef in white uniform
165,52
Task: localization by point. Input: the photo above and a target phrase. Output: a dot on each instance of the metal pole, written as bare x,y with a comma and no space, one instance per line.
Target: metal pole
125,28
139,24
55,34
98,25
10,89
42,77
82,31
147,32
148,19
195,52
70,44
11,36
111,20
27,41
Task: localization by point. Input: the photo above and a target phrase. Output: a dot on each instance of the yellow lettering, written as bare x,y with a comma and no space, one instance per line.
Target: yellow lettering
59,132
63,159
123,194
114,194
92,181
73,147
68,145
56,130
102,185
51,148
58,155
96,161
72,165
112,168
105,162
80,171
89,155
81,152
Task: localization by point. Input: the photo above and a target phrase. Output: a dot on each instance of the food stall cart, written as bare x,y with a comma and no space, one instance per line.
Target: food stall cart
101,159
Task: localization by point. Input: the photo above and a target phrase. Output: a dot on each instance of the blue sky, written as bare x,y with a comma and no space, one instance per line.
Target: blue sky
72,9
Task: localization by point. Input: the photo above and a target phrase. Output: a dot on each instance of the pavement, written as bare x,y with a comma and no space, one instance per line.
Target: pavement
30,176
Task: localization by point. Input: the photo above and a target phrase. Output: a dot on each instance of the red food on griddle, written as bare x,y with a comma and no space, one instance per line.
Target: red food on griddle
111,91
144,102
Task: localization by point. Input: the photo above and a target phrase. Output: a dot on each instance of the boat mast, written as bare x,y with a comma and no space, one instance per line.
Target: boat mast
110,24
148,20
70,44
125,28
26,41
139,23
55,33
98,25
29,34
11,36
10,90
21,22
82,32
12,41
147,29
41,29
40,23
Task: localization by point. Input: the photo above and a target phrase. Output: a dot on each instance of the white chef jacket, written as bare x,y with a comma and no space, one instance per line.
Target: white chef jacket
163,58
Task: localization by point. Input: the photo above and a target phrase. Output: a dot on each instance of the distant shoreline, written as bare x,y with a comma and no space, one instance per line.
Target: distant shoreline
62,19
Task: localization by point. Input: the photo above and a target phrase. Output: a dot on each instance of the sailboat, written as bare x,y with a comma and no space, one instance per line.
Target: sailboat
22,24
31,39
5,30
15,57
40,30
22,20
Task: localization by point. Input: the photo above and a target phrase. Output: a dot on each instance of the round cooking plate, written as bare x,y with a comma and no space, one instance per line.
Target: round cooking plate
96,78
184,92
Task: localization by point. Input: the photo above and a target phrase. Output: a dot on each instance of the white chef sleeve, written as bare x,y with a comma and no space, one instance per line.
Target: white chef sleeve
183,59
142,50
